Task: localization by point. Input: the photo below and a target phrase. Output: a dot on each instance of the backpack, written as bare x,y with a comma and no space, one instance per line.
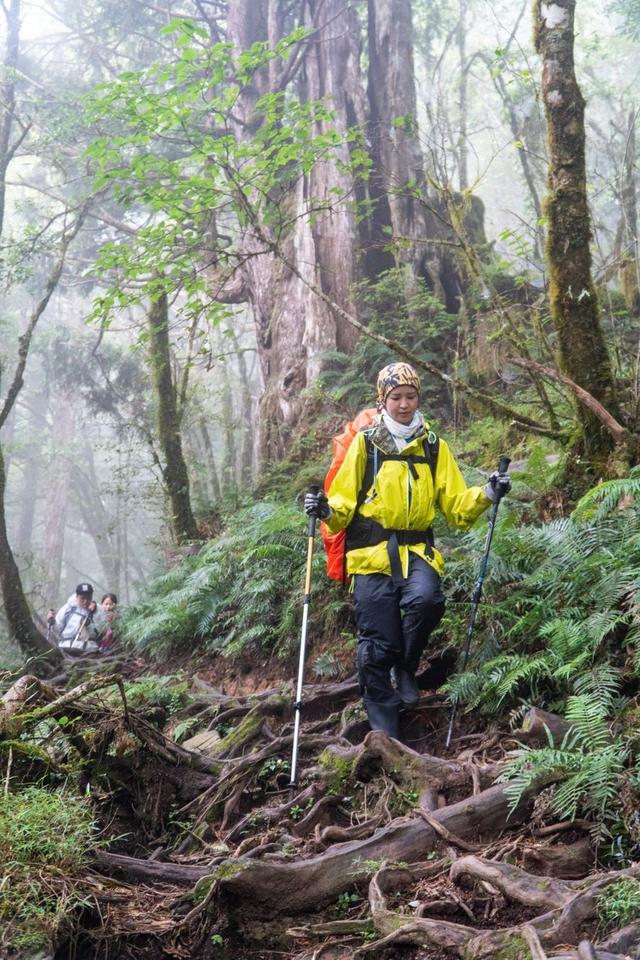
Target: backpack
335,543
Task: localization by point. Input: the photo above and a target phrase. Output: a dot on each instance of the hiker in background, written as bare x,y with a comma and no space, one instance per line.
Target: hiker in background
79,629
108,603
384,494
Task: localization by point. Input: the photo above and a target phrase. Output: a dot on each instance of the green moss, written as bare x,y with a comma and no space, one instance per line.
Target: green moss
29,750
338,770
228,869
203,888
247,729
513,947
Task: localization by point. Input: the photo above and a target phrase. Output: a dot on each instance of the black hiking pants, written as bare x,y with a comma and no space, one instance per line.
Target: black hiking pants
394,625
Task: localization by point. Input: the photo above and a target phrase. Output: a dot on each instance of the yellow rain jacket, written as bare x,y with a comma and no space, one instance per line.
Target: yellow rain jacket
398,501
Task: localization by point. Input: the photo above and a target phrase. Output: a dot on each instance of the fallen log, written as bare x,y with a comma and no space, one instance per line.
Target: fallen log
540,725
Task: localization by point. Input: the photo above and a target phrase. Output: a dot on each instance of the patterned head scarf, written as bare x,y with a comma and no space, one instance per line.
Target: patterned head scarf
395,375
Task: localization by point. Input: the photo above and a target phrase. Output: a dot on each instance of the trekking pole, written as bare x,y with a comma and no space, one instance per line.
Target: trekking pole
503,466
297,706
78,633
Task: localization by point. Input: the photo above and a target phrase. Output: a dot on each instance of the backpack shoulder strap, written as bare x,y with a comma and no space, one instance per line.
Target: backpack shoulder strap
431,446
371,468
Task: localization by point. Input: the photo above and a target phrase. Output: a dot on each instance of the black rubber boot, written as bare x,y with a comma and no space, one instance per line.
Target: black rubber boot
406,686
385,717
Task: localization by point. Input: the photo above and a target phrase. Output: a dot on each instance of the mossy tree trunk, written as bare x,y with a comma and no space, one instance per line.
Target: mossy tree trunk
174,470
572,297
418,212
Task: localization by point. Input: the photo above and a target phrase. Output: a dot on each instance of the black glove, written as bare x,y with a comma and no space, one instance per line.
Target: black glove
317,505
499,485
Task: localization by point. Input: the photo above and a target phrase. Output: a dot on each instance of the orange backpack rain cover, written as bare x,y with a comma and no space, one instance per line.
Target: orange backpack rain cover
334,543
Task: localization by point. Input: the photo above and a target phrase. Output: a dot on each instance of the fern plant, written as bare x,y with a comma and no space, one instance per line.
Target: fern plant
588,765
561,601
243,590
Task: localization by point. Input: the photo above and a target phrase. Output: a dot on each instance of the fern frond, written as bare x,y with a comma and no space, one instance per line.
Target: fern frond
588,721
607,496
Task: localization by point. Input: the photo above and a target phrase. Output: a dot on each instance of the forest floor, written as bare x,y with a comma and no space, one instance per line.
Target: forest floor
382,849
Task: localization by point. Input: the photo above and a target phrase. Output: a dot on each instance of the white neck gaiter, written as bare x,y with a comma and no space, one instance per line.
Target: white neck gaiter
402,432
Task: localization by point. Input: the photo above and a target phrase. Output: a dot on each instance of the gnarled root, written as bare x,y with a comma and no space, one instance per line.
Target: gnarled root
295,887
514,883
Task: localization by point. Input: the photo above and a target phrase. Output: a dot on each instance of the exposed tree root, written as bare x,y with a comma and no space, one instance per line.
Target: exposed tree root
238,854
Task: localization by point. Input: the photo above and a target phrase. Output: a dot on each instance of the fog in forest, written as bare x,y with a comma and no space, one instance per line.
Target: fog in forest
87,494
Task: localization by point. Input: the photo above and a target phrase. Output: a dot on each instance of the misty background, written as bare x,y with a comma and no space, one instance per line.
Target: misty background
84,496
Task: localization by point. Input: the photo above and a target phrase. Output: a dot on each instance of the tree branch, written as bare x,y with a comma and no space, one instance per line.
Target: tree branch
499,409
25,340
619,433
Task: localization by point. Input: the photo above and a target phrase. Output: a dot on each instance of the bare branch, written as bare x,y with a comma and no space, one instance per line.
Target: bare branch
25,339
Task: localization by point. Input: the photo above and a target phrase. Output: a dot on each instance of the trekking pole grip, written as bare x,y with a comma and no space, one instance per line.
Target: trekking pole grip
503,465
314,488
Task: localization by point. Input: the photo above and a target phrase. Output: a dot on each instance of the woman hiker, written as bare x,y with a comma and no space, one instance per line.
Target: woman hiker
385,494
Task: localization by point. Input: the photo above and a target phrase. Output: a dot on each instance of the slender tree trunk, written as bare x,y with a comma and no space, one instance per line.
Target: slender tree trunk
528,172
572,296
630,268
174,471
21,626
32,469
28,502
97,519
245,416
463,94
229,471
207,446
55,510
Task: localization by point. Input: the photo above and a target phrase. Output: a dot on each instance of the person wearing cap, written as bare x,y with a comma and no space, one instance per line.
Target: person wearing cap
78,627
394,475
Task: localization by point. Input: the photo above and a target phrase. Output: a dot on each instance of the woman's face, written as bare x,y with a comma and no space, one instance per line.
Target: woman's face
108,604
402,403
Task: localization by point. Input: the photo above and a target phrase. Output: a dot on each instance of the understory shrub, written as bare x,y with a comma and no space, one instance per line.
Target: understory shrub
561,605
242,590
45,839
560,629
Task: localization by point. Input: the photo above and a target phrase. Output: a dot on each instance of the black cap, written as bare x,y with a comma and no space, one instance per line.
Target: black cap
84,590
